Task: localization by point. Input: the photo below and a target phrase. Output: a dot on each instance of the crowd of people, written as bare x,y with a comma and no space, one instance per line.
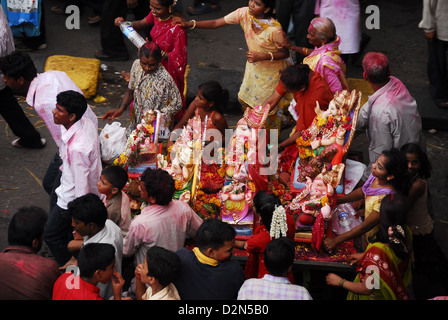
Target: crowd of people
89,229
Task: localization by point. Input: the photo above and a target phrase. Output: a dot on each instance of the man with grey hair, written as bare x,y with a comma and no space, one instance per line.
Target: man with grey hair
390,116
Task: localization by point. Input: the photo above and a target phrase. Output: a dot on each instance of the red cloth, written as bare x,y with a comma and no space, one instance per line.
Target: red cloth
74,289
172,39
256,245
317,90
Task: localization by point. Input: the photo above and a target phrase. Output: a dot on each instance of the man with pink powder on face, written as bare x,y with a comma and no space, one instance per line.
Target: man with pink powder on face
390,116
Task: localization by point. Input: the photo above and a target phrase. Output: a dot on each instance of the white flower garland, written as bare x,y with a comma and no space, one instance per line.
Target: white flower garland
278,224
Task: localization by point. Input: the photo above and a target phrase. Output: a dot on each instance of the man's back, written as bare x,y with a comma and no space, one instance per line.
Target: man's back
42,96
272,288
25,275
164,226
200,281
391,119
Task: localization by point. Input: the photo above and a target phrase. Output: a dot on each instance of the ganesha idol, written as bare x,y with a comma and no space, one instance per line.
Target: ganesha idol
325,142
313,206
182,164
243,178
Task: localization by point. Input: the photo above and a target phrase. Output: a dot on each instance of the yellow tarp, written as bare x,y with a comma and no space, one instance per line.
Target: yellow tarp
360,85
83,71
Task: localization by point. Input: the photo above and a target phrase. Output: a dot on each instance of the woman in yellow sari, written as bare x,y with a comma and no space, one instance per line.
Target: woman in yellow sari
266,56
384,270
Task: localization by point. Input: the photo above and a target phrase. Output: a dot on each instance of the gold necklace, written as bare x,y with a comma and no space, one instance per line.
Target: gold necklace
168,18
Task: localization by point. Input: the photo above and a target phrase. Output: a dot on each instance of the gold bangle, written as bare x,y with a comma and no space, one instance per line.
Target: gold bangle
272,56
194,24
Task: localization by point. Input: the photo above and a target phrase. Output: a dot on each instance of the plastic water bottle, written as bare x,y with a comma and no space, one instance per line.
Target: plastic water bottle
131,34
344,221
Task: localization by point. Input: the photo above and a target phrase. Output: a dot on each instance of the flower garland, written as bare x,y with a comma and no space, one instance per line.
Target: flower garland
321,128
278,224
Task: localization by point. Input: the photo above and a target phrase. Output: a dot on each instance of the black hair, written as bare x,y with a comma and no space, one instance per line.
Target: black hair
397,165
18,64
296,76
425,164
270,4
73,102
279,256
265,203
88,208
214,233
150,49
163,264
213,92
27,224
116,175
159,184
166,3
393,213
93,257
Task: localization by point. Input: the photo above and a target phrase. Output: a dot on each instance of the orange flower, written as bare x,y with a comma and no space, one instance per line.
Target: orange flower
178,184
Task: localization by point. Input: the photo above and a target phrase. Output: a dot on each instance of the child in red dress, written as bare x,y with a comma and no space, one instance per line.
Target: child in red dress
275,222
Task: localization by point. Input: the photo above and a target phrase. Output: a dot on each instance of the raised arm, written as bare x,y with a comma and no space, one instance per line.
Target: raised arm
206,24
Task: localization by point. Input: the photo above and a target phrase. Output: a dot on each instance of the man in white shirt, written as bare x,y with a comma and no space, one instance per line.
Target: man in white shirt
40,90
81,168
390,116
89,219
435,26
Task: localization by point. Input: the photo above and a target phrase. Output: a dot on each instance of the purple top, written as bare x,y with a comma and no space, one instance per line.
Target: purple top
369,191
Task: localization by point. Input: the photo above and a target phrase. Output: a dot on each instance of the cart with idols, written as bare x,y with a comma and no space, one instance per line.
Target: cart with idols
317,172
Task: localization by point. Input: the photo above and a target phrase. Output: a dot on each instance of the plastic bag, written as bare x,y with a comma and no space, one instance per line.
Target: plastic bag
344,218
113,141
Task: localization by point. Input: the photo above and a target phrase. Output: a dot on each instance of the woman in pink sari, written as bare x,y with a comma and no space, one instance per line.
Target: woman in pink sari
171,38
325,58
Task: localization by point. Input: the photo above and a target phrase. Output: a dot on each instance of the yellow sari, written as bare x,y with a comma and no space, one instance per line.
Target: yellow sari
261,78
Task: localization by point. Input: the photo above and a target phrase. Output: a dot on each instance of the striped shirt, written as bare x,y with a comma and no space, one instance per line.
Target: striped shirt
272,288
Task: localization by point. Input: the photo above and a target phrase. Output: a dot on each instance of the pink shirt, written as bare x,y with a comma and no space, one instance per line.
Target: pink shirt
42,96
164,226
81,161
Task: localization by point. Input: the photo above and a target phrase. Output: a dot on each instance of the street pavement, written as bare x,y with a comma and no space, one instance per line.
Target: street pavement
220,55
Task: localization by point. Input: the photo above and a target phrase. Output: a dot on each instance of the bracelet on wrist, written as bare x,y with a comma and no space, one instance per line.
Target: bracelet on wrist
194,24
272,56
341,283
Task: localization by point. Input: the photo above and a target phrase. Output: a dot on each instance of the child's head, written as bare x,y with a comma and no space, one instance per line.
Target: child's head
418,162
158,184
279,256
393,219
89,214
392,166
97,261
160,265
27,227
112,180
216,239
211,94
264,204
